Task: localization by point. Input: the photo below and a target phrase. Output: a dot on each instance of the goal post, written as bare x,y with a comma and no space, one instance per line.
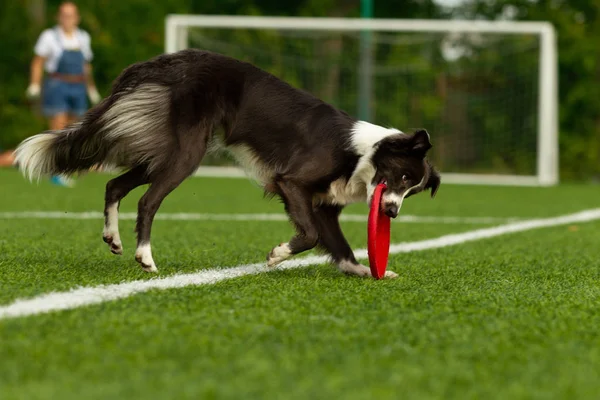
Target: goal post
486,90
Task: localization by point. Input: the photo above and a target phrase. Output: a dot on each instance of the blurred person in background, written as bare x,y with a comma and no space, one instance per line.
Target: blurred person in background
65,53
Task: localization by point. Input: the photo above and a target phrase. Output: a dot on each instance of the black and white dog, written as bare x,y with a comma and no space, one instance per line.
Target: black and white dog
158,120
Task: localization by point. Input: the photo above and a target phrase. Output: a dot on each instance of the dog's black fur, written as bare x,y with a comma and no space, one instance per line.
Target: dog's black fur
161,114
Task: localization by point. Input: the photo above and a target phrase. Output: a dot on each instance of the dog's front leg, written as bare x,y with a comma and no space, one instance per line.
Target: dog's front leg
298,205
332,239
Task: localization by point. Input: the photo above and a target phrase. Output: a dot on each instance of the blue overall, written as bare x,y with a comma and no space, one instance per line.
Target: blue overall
66,97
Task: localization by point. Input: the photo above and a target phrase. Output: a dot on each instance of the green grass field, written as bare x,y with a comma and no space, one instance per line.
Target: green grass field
510,317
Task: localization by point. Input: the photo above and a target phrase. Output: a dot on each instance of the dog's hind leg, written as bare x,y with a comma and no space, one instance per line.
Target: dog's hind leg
298,204
116,190
332,239
182,164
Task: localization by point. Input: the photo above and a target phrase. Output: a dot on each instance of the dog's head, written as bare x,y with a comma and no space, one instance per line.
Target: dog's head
400,162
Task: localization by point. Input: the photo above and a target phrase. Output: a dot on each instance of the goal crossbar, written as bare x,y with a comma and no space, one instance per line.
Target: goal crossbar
176,38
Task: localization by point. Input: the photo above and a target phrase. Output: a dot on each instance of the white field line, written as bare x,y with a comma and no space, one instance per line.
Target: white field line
85,296
247,217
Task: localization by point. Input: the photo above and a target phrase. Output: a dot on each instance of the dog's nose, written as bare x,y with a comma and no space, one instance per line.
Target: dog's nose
391,210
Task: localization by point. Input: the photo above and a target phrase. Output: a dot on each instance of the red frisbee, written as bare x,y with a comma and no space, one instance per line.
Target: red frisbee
378,235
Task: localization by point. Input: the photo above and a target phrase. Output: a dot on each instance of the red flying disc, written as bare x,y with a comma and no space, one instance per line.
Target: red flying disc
378,234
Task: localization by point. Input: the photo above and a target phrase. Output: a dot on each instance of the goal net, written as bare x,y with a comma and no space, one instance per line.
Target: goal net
486,91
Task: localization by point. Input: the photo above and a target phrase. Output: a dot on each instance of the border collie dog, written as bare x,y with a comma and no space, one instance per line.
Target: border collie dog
158,120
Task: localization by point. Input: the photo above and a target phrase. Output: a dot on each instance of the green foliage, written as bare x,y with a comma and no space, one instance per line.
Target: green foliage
415,88
15,53
578,26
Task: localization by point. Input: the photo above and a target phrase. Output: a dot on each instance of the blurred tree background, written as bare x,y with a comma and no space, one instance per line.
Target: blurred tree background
124,32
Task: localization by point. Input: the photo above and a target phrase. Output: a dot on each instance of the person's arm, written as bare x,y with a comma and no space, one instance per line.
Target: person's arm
35,76
91,86
42,50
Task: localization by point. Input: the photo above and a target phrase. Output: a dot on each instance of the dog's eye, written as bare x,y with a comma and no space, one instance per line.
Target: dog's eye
404,178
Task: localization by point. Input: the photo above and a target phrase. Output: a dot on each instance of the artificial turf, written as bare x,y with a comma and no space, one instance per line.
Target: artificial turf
514,316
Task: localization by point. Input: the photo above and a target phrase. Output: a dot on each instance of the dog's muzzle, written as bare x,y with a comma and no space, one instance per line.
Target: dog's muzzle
391,210
391,204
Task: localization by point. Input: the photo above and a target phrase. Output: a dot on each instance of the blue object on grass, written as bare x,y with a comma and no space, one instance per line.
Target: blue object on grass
61,181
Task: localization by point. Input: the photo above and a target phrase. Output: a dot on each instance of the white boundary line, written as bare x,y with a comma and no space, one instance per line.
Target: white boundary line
247,217
85,296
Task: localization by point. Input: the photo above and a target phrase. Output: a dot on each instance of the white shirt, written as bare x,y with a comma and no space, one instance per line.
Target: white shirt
53,41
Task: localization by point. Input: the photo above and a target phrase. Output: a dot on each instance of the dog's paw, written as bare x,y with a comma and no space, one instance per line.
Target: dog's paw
390,275
143,256
350,268
151,268
146,265
278,254
114,243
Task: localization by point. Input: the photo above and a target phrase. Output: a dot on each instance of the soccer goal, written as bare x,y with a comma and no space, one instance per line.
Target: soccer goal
485,90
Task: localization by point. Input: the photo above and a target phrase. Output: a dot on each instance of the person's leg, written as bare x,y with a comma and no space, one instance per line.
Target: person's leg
7,158
57,122
78,103
75,104
55,108
71,119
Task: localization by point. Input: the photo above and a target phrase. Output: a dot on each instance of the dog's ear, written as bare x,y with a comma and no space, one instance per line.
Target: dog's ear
434,181
403,145
420,142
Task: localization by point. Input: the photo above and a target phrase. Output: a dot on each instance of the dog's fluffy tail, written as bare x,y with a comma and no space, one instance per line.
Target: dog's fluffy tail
128,129
62,152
